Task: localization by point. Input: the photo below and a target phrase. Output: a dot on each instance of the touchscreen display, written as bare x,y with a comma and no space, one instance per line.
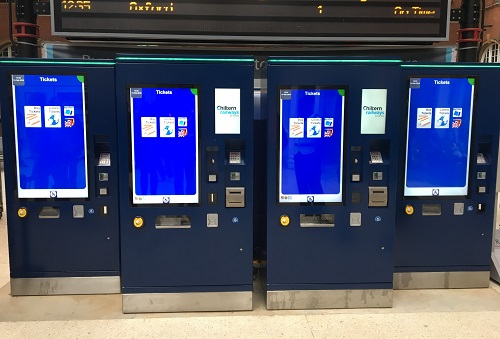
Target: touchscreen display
311,144
50,135
164,131
439,136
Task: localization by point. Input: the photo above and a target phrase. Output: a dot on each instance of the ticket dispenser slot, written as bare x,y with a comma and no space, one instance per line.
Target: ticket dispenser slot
376,158
235,152
377,196
379,151
172,221
317,220
49,212
235,196
102,150
103,162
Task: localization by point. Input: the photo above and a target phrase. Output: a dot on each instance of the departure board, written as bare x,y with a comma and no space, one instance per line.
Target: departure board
254,20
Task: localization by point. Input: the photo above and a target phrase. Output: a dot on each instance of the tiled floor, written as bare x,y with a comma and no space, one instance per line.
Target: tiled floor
416,314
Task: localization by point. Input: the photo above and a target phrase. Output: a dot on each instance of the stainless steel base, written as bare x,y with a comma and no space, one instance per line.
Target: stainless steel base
187,302
317,299
495,265
65,285
431,280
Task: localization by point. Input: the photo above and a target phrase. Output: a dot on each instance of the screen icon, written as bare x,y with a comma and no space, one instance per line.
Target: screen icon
424,116
148,127
457,112
167,127
182,132
328,132
69,122
328,122
52,116
314,127
442,118
456,123
32,116
296,127
182,122
69,111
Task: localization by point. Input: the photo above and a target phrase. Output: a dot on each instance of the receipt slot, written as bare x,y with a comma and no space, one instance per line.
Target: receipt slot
185,136
332,148
447,176
58,121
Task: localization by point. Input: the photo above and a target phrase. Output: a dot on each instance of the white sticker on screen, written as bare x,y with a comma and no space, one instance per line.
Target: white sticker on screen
227,111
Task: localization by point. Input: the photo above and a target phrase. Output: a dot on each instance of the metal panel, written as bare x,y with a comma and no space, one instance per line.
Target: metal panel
317,299
187,302
422,280
65,285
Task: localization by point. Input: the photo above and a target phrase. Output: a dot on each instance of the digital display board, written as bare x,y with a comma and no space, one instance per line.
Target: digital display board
164,132
50,135
311,144
438,142
254,20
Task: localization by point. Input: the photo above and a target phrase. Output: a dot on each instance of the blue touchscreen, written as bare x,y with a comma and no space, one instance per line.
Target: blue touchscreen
50,136
311,144
439,135
165,144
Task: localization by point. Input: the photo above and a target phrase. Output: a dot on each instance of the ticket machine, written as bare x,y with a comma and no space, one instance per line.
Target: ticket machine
61,176
447,176
331,190
185,135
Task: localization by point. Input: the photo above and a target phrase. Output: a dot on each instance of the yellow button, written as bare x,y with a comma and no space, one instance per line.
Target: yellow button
409,209
138,222
22,212
284,220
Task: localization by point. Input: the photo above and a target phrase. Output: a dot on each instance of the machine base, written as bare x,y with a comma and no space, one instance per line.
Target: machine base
65,285
318,299
187,302
495,265
431,280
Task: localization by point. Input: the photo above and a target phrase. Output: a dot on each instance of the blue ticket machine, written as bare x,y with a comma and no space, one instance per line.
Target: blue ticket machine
61,176
447,176
185,135
332,148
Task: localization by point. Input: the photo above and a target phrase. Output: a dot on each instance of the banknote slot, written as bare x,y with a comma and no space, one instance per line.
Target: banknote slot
49,212
317,220
172,221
